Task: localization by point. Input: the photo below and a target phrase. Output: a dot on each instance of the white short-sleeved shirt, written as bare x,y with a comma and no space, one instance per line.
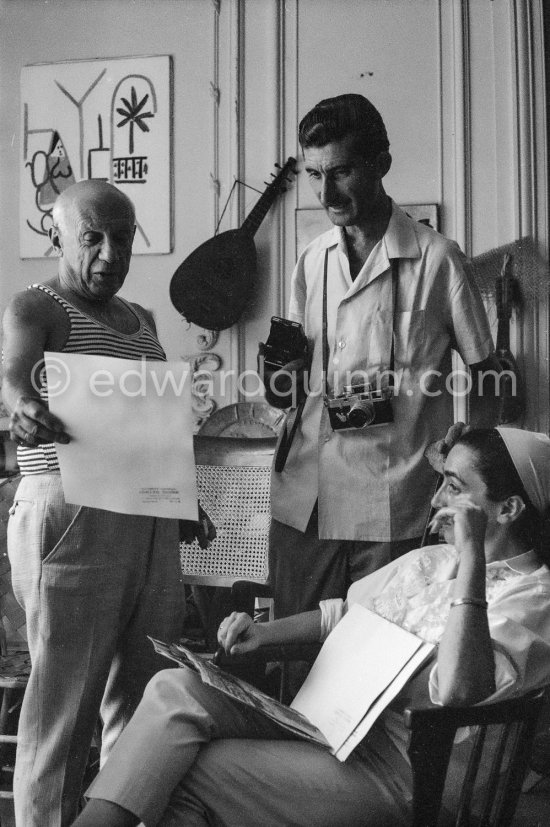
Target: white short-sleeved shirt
374,483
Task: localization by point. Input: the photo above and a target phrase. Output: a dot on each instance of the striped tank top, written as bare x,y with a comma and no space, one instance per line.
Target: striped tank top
87,335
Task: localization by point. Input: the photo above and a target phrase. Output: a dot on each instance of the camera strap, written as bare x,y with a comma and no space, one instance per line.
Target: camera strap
394,279
290,427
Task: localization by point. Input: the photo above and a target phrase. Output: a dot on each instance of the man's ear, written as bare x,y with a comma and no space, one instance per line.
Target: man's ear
510,509
55,238
383,163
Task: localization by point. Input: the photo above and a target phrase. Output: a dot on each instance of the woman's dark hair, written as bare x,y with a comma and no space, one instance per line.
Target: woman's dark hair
497,470
333,119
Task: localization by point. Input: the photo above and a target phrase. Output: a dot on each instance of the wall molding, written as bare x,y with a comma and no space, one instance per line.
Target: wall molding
462,138
527,33
462,153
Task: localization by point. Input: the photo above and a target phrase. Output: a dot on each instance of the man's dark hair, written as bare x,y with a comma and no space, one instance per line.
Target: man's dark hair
333,119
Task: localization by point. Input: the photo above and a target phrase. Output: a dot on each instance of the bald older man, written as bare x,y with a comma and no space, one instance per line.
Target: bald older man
93,584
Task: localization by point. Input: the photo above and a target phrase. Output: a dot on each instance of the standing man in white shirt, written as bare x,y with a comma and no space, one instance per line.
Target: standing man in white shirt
399,297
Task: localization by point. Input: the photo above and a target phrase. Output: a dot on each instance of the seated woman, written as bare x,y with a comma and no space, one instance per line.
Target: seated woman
191,755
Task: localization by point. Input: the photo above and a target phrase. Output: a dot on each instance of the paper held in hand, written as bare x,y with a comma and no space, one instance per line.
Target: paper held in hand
131,429
362,666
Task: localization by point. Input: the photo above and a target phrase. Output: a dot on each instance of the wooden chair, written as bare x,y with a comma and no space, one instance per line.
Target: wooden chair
15,667
485,794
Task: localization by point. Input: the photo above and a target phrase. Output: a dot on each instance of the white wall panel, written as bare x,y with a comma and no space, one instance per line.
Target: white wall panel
389,52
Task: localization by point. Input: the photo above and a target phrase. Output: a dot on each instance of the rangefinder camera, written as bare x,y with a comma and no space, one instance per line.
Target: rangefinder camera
360,406
286,342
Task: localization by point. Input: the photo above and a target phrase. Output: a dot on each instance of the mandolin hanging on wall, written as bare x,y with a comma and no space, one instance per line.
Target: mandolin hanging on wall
212,286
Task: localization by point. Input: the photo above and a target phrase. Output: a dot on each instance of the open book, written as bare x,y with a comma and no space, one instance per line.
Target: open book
363,664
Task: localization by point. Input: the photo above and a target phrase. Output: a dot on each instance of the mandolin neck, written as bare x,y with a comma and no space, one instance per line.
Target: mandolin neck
260,209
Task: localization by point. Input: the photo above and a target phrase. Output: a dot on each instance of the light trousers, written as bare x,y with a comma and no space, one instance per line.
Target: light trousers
192,757
93,585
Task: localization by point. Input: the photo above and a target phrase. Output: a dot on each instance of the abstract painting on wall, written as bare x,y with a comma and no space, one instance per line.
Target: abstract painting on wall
105,119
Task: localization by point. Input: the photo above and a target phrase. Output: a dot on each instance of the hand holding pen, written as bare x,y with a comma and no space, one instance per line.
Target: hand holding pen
237,634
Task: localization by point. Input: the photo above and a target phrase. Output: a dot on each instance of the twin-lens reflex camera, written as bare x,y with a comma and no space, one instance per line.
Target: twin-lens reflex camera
285,343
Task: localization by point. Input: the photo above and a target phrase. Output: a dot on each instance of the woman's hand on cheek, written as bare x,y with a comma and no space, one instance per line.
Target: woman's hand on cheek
468,519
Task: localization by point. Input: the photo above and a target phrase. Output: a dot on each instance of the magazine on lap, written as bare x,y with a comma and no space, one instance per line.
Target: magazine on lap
363,664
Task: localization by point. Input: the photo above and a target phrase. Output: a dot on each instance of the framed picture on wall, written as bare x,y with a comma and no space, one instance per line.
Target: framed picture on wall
313,221
104,119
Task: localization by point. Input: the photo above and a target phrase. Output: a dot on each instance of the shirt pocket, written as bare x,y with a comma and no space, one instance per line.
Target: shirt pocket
410,337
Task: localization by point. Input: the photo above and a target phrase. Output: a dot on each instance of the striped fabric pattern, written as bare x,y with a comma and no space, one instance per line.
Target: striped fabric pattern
87,335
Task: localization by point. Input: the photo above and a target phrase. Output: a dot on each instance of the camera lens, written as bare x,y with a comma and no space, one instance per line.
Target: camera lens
361,413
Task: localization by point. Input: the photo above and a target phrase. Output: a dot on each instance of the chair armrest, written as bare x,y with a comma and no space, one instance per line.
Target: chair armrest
480,715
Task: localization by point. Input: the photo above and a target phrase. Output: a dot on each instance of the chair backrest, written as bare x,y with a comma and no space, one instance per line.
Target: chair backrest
486,791
233,481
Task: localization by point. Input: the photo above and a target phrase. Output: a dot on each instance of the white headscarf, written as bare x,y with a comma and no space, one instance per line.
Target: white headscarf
530,453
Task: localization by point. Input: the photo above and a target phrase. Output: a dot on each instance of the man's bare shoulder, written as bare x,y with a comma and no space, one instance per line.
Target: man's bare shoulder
33,308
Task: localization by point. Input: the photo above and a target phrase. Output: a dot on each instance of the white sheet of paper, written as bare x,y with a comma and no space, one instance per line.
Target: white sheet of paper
131,429
362,728
357,662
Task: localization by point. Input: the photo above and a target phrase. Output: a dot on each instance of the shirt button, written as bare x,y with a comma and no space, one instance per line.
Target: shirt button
342,344
336,360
